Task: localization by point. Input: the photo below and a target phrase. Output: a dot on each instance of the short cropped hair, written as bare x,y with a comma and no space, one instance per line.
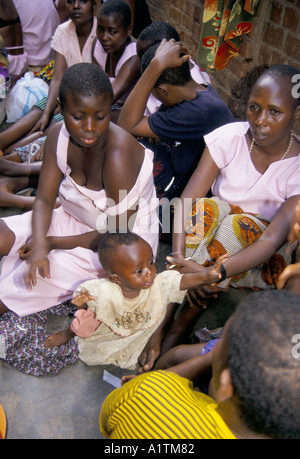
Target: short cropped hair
264,373
284,71
85,79
117,7
109,245
177,76
157,31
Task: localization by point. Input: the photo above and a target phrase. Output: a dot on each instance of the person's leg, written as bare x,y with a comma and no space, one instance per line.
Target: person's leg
58,339
19,129
181,328
12,166
179,354
11,185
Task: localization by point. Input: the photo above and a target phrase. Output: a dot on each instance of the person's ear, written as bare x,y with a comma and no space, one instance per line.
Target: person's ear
115,279
129,30
225,390
297,113
59,106
162,88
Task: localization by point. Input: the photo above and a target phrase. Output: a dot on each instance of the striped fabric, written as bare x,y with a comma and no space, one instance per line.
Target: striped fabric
161,405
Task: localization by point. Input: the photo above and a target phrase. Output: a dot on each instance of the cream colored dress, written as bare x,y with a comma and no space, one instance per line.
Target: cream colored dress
126,324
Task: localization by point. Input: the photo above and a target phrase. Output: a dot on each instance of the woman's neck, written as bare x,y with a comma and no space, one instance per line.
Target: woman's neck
84,30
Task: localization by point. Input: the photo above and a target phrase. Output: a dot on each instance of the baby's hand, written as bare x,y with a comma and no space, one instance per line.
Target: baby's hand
214,270
83,298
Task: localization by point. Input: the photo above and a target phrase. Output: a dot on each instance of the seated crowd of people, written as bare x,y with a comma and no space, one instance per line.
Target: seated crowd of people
131,146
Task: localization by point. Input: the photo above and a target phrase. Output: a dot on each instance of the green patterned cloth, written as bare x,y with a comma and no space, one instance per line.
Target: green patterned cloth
225,22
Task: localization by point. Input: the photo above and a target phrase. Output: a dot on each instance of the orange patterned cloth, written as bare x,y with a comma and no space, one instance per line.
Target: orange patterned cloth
215,227
2,423
225,22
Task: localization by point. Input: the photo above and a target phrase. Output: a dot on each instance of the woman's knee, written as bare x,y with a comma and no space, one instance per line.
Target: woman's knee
7,239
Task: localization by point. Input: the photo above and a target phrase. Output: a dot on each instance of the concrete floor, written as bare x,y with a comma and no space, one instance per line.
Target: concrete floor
67,405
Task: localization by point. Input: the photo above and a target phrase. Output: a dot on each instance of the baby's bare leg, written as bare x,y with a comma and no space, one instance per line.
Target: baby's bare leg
60,338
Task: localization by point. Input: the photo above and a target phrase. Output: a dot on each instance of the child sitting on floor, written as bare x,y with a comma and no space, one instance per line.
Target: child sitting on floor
114,50
130,306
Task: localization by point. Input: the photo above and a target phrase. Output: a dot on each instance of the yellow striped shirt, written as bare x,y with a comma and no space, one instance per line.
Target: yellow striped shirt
161,405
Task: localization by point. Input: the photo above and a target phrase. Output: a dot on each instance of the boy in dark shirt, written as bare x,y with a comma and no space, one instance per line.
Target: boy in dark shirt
189,111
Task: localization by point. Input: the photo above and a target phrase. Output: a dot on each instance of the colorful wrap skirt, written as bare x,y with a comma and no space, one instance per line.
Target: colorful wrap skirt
22,343
214,228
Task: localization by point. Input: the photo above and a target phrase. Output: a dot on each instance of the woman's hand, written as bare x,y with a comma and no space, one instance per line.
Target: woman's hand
37,260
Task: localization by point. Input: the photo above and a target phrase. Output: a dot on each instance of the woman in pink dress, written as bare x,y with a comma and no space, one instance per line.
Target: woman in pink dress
115,50
253,171
104,179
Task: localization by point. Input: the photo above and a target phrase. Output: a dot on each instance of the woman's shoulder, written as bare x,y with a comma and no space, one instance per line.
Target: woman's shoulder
130,49
122,146
55,131
62,28
230,130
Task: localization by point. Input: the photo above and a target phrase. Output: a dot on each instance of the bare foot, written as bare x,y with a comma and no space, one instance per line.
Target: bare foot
59,338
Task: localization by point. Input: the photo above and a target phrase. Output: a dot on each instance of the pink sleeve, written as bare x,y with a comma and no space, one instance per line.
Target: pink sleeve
226,142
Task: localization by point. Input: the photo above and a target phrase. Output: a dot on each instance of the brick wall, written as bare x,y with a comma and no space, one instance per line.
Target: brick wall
275,39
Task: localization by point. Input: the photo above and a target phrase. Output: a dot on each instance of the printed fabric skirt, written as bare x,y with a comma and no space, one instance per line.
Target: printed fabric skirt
22,343
214,228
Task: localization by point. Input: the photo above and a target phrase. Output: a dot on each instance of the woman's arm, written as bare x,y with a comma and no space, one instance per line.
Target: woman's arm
194,368
128,75
59,69
49,182
274,237
120,173
132,116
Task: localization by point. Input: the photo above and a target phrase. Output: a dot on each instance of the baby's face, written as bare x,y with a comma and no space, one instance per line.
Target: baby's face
136,268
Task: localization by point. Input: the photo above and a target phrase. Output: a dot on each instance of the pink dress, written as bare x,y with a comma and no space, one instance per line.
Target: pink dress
101,57
82,211
39,21
239,183
65,42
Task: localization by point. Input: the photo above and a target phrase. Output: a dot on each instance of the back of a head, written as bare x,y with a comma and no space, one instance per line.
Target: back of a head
85,79
117,7
156,32
265,373
178,76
